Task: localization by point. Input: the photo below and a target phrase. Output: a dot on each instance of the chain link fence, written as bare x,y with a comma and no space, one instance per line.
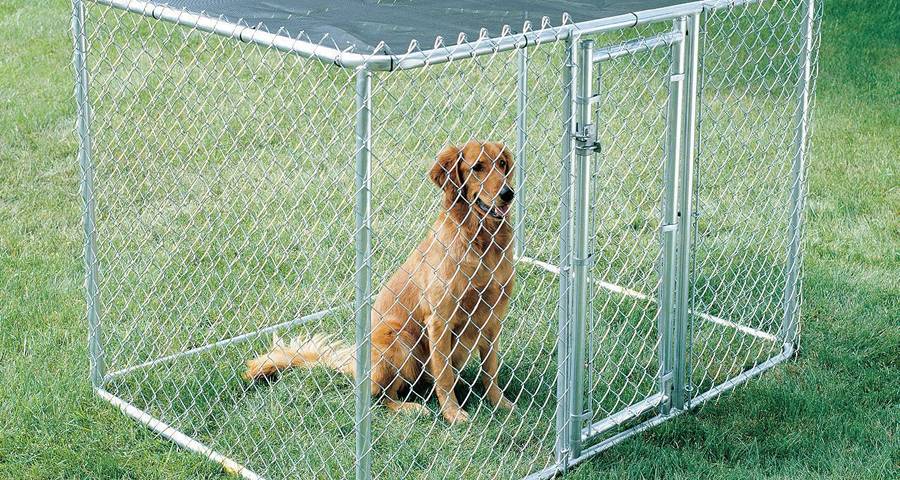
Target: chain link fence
598,223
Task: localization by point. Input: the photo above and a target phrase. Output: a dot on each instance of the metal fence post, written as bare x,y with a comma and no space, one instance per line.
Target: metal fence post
521,142
565,271
669,220
95,347
363,301
788,330
685,210
585,136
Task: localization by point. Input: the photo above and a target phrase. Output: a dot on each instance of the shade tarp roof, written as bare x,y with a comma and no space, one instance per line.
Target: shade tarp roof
361,25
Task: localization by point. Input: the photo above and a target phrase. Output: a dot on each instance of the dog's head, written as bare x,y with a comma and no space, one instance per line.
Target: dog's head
477,174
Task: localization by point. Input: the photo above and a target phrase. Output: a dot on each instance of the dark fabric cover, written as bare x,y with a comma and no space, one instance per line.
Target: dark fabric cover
363,24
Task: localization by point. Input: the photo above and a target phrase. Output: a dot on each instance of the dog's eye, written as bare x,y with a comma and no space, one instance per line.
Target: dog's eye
503,164
478,167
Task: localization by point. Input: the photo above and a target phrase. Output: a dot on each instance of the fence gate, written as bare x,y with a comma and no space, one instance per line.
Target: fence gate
633,130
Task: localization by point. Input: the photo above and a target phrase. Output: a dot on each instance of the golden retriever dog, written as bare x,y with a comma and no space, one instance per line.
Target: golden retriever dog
445,302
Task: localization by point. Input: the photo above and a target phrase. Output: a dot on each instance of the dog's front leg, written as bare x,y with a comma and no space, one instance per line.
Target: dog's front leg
439,338
490,365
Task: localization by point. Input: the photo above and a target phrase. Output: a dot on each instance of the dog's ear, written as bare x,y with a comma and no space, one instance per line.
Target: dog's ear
445,172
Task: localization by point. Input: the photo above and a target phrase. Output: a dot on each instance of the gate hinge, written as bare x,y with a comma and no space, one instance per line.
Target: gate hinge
670,228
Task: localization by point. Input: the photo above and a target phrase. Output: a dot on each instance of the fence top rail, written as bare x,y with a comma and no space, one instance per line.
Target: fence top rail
642,44
378,59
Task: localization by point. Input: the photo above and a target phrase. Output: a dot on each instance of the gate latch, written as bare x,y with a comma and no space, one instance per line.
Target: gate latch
586,138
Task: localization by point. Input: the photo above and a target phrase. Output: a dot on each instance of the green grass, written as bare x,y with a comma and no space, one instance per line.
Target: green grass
832,412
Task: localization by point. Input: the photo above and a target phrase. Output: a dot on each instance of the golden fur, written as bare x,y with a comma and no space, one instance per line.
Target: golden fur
445,302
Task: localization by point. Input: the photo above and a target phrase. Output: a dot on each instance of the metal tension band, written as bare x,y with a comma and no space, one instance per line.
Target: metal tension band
585,262
586,139
580,417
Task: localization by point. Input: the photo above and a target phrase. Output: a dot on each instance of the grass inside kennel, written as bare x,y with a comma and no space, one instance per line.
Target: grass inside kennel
303,422
830,413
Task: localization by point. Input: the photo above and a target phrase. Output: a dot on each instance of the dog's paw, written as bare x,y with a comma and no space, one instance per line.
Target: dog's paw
455,416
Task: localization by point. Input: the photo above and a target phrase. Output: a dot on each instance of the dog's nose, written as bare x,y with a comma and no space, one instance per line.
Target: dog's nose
507,194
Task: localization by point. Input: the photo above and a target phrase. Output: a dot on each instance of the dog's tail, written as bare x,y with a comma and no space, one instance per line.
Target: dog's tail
321,350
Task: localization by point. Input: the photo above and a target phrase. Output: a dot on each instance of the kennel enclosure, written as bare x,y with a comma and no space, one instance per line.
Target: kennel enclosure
250,170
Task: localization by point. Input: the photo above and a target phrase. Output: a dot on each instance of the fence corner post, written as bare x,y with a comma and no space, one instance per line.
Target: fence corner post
363,298
92,293
788,332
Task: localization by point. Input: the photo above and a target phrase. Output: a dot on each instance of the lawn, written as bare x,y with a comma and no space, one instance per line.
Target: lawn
831,412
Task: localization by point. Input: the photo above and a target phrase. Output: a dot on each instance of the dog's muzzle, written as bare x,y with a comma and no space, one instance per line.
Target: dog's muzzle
496,212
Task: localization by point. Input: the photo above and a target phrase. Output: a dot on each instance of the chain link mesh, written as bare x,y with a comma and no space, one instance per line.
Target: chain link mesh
416,114
749,105
633,91
224,193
